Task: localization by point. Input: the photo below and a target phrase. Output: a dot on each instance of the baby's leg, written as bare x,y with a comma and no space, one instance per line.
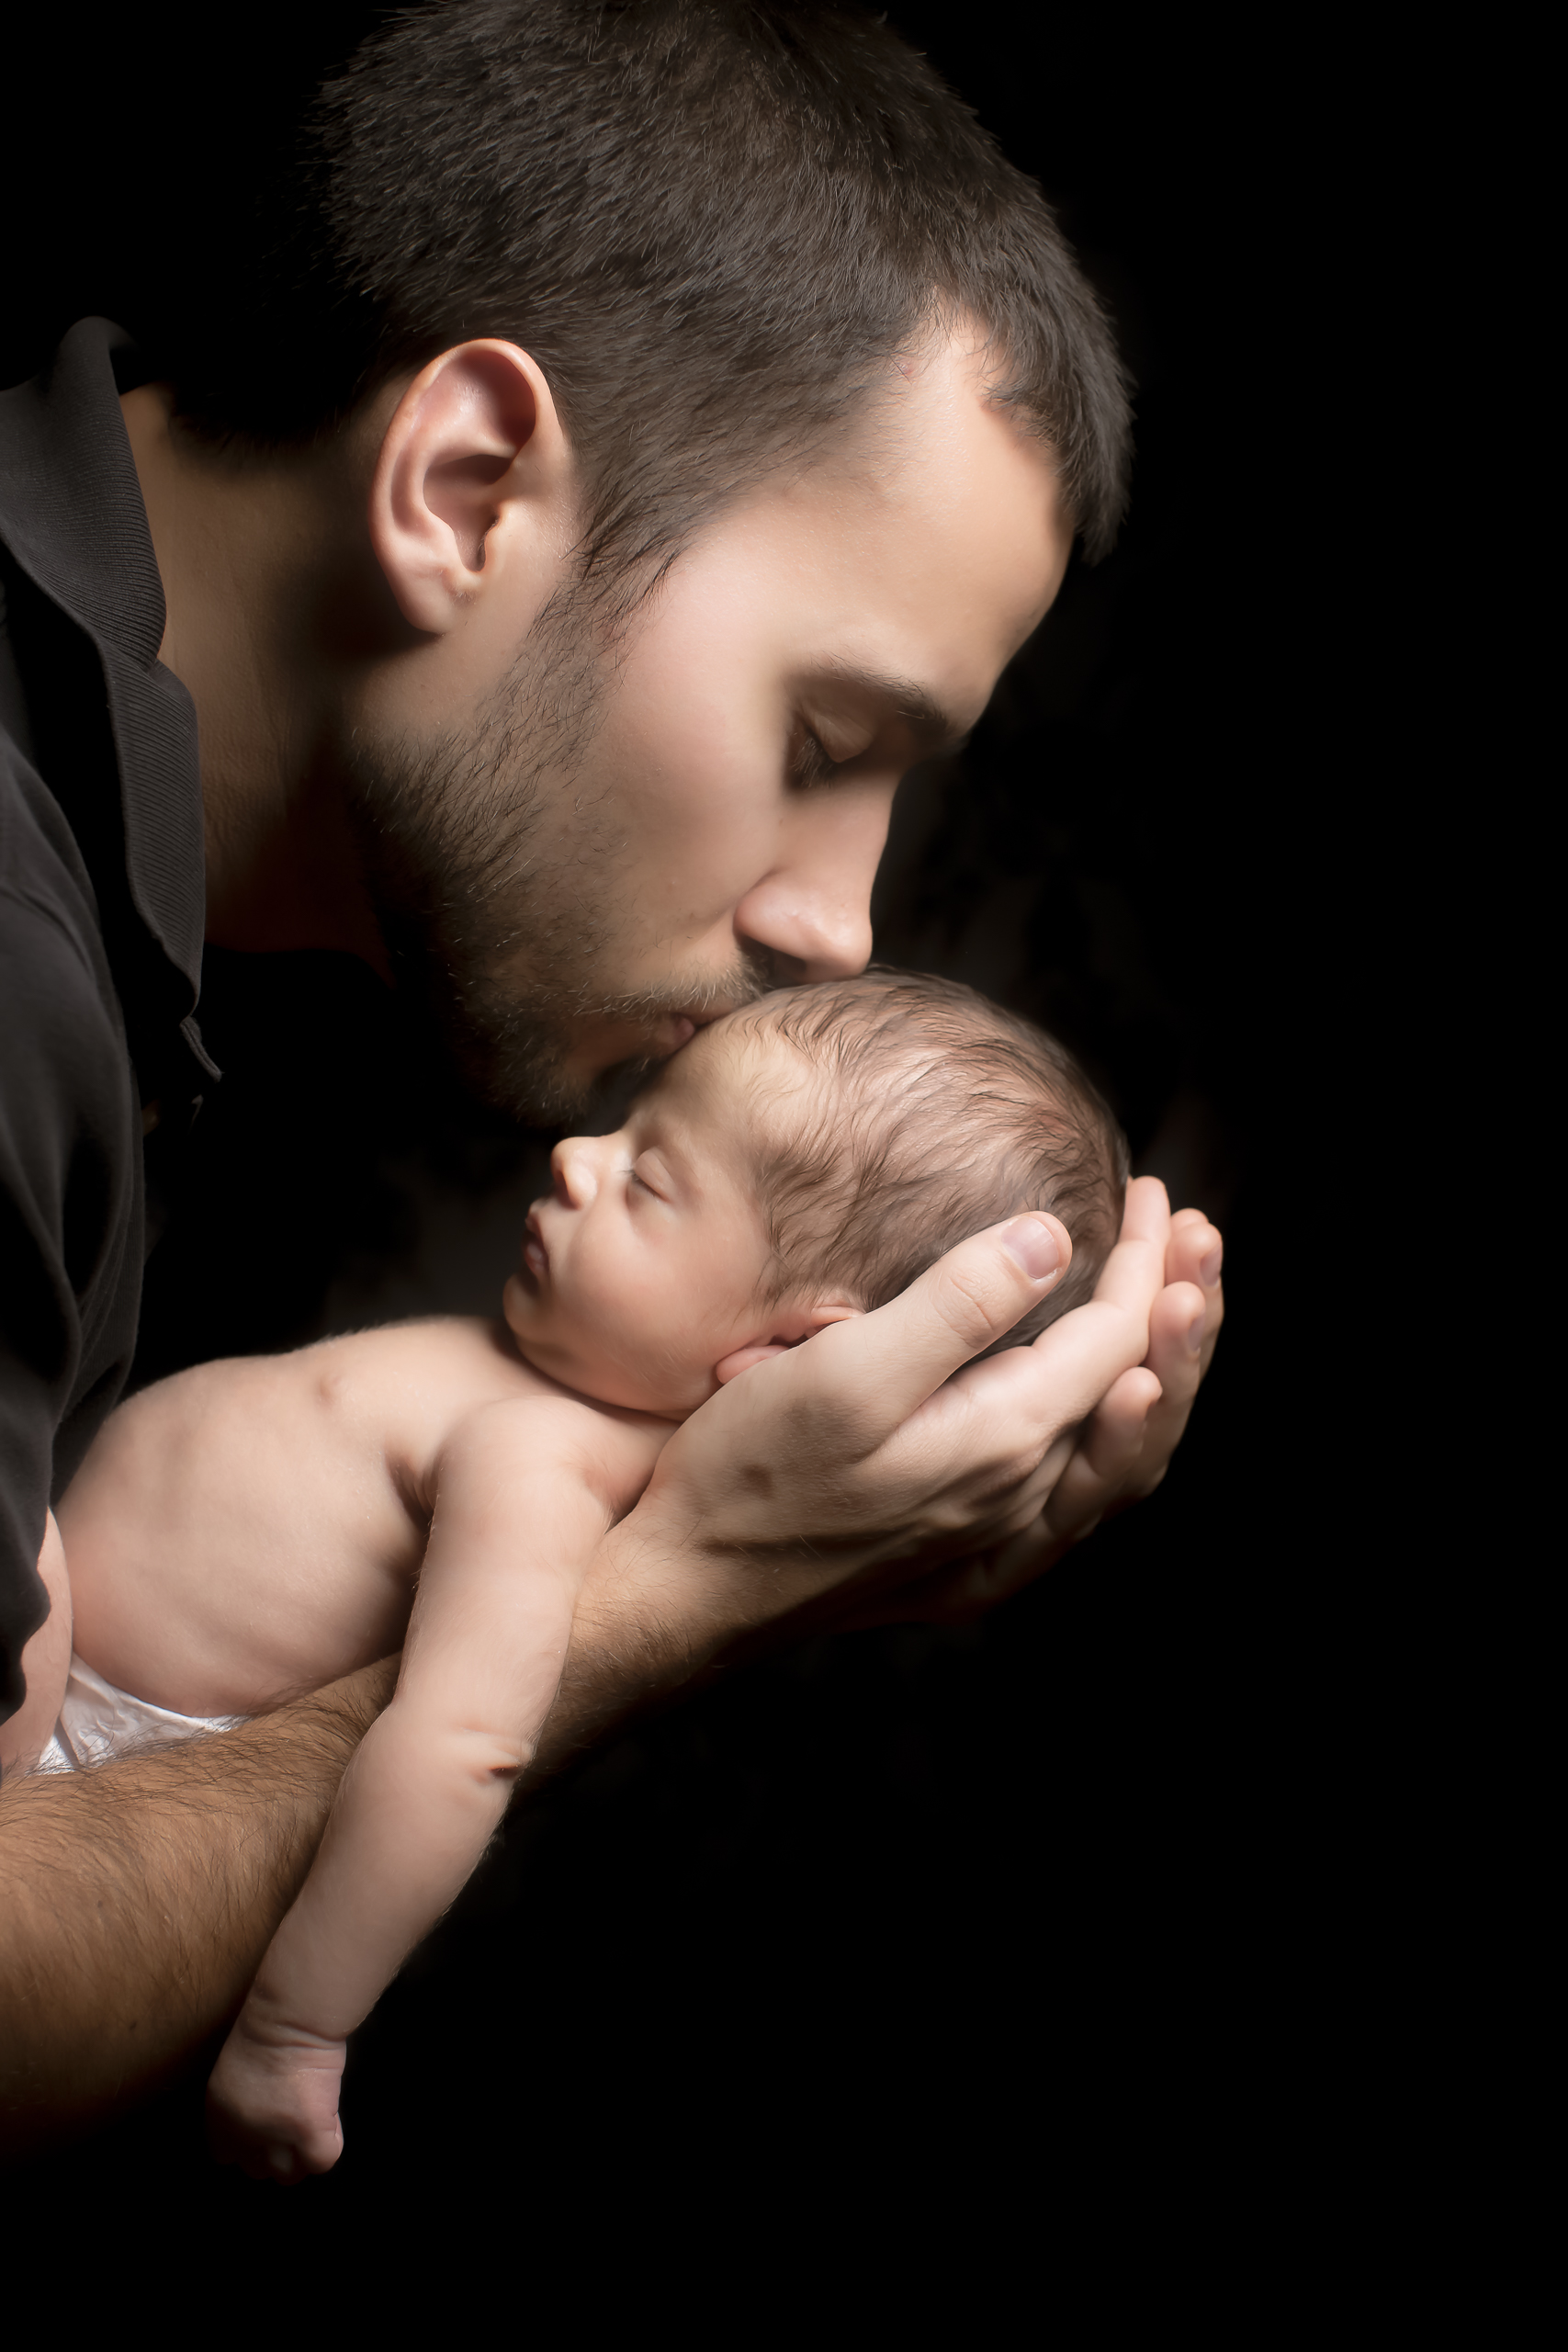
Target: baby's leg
46,1665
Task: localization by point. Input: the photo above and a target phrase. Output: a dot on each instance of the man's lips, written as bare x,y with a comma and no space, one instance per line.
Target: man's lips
671,1030
652,1037
679,1028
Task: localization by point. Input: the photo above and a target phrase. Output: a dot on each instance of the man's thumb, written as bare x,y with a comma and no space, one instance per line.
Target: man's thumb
1039,1244
957,1307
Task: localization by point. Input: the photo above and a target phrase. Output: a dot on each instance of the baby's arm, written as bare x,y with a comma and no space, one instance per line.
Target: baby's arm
524,1493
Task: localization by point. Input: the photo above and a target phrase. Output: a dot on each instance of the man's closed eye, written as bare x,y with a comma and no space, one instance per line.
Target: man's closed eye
813,763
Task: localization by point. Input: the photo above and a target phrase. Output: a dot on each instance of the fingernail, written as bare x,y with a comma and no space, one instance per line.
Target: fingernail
1208,1267
1030,1243
1195,1330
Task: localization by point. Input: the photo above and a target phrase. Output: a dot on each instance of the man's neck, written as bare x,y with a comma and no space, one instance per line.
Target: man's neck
272,599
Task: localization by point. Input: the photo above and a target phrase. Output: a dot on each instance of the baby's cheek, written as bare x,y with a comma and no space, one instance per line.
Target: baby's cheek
610,1319
662,1339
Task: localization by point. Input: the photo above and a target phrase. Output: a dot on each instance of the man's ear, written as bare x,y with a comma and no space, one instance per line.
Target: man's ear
788,1328
474,466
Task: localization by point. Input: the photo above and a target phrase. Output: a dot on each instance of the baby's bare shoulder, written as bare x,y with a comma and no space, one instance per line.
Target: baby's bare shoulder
544,1430
435,1385
407,1387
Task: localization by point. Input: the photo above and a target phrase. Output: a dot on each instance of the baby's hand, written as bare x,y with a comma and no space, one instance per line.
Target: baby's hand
272,2101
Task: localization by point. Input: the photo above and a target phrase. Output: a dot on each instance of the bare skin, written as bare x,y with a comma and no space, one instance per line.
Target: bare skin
248,1528
836,627
430,1450
859,614
141,1898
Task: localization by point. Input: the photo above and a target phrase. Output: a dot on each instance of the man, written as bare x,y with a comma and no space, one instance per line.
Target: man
652,431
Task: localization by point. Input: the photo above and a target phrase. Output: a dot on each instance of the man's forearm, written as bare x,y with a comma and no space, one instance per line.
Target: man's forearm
651,1620
136,1901
656,1620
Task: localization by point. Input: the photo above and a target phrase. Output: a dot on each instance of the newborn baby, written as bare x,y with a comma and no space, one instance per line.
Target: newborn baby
249,1530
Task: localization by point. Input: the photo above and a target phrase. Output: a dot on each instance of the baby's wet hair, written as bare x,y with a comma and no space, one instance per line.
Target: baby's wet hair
933,1114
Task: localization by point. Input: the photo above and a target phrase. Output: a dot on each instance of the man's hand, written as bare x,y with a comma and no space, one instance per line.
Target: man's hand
879,1442
272,2101
1119,1455
141,1898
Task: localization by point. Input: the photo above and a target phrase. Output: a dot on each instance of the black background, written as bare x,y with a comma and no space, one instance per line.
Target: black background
883,1942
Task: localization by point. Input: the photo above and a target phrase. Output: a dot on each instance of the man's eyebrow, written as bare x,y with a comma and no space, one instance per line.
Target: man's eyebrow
933,729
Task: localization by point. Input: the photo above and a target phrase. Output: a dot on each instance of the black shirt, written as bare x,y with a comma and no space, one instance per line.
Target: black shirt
102,897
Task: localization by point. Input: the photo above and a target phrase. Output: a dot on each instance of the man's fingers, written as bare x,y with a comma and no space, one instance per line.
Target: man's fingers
1179,1347
1027,1398
1136,1268
1196,1254
1127,1443
896,1358
1109,1461
1113,1435
1078,1481
1197,1249
1145,1216
1167,1272
981,1289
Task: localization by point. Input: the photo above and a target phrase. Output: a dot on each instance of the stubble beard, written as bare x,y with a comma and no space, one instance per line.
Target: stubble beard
499,935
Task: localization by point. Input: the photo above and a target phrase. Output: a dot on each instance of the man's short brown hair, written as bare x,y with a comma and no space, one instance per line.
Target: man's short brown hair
715,223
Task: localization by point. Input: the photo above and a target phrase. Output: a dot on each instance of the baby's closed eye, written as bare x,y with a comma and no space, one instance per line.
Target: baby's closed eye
650,1172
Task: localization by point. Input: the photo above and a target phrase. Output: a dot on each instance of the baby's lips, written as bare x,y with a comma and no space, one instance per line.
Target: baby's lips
535,1257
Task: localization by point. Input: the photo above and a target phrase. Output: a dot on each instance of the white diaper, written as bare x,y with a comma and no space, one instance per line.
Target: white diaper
97,1722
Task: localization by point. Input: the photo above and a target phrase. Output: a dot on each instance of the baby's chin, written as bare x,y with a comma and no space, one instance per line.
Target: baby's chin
604,1383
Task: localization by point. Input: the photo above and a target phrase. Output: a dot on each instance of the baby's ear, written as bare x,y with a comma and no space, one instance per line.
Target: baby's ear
742,1359
787,1328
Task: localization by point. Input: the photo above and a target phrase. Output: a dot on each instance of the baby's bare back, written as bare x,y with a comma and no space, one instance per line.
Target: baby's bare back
253,1528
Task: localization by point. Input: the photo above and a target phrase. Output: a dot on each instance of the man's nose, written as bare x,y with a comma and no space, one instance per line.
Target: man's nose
573,1171
815,906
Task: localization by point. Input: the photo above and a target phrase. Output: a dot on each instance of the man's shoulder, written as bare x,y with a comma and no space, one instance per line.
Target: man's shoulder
41,865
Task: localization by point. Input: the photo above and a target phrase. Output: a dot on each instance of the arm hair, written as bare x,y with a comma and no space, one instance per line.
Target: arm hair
140,1898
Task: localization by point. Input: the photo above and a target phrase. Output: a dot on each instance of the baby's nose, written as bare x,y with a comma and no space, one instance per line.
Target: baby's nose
571,1171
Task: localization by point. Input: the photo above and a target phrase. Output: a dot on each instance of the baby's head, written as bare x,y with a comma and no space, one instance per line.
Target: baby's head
800,1162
